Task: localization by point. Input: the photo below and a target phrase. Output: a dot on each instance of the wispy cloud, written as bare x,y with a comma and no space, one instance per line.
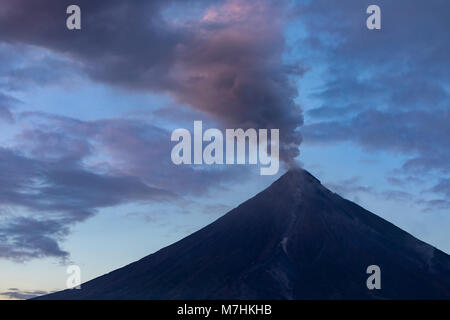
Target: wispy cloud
16,294
385,90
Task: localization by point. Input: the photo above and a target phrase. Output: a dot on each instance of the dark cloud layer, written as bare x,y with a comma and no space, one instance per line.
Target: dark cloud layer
227,64
58,174
27,238
422,134
5,114
353,189
58,194
387,89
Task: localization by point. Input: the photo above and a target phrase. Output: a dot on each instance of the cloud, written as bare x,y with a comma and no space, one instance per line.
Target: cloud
216,209
349,187
28,238
123,147
227,63
49,186
327,112
62,171
416,132
55,196
42,71
434,205
385,90
442,187
234,71
24,66
6,104
405,180
16,294
397,195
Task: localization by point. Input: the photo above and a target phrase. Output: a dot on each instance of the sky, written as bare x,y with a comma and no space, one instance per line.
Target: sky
86,117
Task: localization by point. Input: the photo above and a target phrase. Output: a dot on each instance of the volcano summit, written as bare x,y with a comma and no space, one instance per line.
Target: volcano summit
294,240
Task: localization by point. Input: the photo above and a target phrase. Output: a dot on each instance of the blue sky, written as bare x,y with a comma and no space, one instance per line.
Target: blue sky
86,116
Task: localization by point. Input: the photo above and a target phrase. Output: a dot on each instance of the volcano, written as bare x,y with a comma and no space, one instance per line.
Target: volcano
294,240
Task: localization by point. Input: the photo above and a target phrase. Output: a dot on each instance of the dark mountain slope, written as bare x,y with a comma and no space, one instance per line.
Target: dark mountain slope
294,240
